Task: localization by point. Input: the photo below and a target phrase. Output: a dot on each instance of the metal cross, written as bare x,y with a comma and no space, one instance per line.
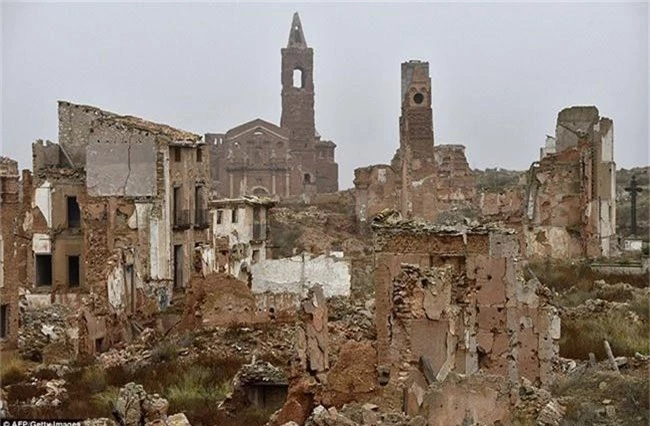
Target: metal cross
633,189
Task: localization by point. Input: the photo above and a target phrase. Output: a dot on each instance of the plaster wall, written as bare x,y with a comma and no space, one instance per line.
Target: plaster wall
123,166
300,273
43,200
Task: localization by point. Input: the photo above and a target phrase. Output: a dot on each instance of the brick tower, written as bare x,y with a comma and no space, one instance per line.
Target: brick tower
418,166
298,88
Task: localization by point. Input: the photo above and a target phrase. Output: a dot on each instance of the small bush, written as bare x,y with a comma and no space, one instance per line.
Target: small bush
13,370
104,399
46,374
93,379
165,351
23,392
641,307
196,388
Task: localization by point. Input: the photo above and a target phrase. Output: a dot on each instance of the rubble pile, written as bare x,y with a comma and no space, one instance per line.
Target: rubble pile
45,326
259,372
352,320
135,407
536,403
320,231
134,354
55,393
359,415
593,307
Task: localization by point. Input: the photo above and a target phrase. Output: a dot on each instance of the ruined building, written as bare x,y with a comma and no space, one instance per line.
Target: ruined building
239,232
570,207
119,211
261,158
422,180
452,299
9,212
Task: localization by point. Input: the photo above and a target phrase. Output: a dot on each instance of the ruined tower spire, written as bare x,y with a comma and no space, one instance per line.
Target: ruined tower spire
296,36
298,90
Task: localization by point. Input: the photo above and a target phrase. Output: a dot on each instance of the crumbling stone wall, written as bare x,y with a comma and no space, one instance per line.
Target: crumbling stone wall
10,209
122,171
52,228
455,183
218,300
453,299
422,181
570,201
239,234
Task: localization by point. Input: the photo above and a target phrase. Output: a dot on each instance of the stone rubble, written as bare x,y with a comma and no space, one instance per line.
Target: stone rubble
55,393
357,414
44,326
136,407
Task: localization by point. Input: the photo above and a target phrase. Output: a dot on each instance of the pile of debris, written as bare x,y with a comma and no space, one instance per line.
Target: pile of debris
259,372
134,354
536,403
352,320
357,415
135,407
55,393
47,330
601,307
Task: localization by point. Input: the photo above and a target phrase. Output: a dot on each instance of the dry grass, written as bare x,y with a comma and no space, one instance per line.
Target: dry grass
586,334
164,351
193,388
13,369
587,391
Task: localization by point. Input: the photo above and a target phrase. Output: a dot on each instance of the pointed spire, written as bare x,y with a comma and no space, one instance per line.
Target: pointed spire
296,36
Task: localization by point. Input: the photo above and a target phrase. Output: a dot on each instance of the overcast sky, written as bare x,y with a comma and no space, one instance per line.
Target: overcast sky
500,72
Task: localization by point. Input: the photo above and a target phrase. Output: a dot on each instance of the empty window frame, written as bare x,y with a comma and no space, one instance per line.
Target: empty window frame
43,269
74,276
74,214
234,215
4,321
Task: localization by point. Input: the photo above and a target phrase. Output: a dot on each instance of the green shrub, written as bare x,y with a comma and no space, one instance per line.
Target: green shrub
197,387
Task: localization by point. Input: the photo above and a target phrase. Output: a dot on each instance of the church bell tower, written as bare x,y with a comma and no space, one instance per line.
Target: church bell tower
298,89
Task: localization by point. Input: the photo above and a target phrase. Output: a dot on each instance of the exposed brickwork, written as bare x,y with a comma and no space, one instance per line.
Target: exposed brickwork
422,181
454,299
10,210
571,203
140,193
261,158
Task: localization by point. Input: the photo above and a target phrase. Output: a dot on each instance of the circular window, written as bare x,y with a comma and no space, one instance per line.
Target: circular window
418,98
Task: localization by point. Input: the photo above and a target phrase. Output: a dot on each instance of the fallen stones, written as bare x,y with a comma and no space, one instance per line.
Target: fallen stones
360,415
55,394
313,339
178,419
44,326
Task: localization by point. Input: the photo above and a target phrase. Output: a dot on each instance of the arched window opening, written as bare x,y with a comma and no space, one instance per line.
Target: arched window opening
298,78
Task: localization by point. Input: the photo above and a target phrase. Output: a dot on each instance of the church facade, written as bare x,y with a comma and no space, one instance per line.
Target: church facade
262,158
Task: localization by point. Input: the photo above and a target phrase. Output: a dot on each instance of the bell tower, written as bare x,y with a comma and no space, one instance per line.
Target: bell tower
298,89
416,142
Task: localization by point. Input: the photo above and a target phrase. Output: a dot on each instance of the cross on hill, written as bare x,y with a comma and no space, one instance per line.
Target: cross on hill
633,189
